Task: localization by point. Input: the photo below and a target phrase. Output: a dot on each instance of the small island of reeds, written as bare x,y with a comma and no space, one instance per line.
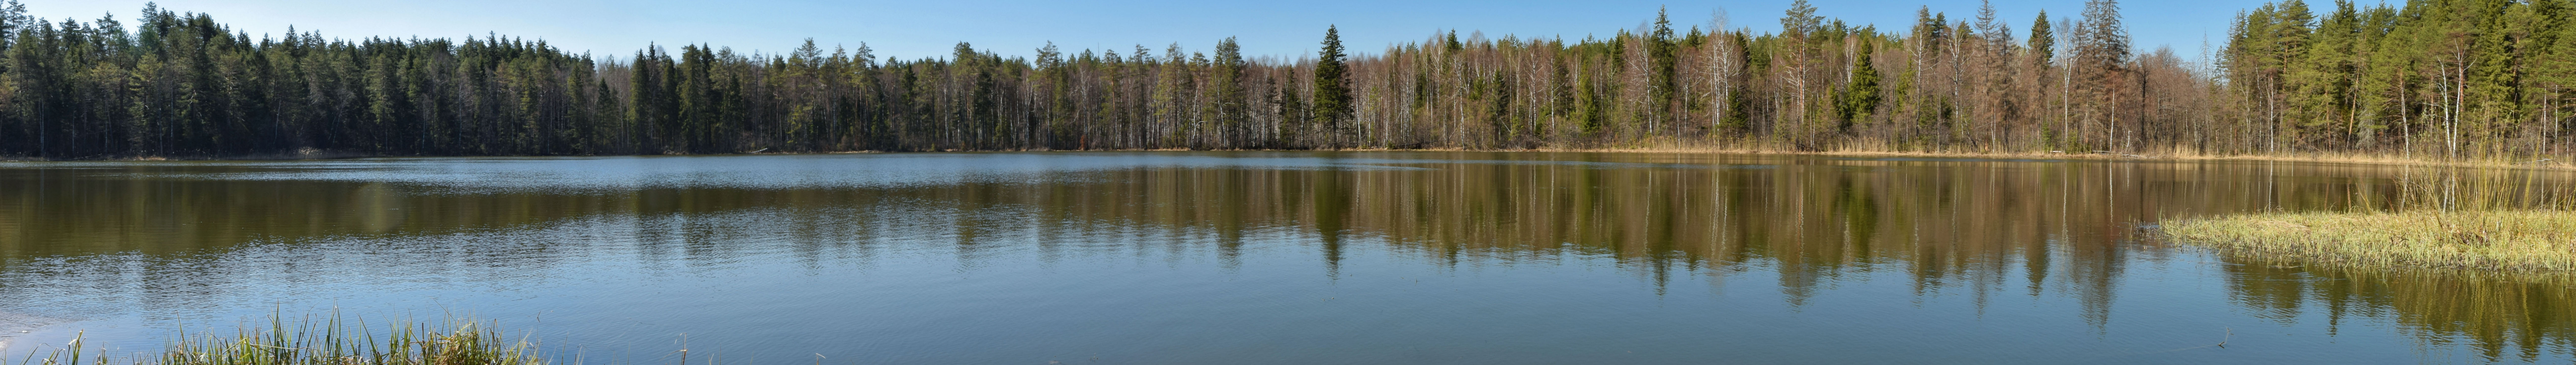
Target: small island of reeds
2508,240
2509,220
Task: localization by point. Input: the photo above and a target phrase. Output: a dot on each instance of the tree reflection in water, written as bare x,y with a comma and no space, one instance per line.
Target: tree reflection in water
1981,228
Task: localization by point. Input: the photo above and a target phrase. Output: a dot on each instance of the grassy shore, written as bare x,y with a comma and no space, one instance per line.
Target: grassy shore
2507,240
327,342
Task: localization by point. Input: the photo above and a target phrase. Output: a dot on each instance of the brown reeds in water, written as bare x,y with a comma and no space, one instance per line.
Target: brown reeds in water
327,342
2449,218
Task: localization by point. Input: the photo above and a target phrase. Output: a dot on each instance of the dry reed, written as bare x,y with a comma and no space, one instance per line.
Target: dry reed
328,342
2446,218
2521,240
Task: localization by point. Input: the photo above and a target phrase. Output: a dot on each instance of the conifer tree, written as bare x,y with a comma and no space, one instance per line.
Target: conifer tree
1332,103
1661,50
1227,91
1861,96
2043,42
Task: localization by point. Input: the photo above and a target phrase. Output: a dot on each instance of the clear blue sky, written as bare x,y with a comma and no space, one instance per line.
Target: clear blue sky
916,28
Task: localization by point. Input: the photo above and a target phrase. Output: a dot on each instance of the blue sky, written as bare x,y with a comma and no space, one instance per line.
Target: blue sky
918,28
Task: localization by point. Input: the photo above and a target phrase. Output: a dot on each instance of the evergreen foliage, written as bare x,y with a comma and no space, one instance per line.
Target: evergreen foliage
1332,91
2441,78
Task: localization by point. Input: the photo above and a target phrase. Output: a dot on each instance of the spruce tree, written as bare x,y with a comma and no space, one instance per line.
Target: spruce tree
1661,50
1227,93
2043,42
1332,103
1859,98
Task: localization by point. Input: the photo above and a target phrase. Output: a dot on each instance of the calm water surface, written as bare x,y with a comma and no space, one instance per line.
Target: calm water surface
1245,257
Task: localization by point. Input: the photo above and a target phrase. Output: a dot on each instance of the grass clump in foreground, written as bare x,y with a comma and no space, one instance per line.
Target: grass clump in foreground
2537,240
325,343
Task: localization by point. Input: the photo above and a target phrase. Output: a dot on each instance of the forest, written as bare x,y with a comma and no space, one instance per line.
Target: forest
2426,78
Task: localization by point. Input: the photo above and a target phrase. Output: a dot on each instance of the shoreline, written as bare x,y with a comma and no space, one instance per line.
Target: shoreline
2167,155
2542,163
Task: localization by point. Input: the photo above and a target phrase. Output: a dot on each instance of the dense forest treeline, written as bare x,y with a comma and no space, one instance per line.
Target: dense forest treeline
2428,78
2445,77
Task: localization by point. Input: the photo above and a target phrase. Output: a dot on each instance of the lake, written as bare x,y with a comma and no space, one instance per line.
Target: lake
1245,257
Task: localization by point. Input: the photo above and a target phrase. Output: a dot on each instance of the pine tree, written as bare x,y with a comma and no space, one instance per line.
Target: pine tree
1800,19
2318,79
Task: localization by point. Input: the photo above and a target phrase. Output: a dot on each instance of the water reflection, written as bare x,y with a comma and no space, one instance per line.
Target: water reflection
121,236
2498,317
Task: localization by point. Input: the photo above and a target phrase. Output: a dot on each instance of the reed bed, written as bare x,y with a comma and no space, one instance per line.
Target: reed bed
2442,217
326,342
2520,240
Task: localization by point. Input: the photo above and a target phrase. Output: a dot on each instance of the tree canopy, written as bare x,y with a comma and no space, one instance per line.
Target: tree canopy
2431,77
